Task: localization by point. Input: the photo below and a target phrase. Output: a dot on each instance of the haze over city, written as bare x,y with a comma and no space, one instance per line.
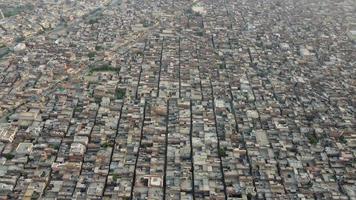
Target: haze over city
178,99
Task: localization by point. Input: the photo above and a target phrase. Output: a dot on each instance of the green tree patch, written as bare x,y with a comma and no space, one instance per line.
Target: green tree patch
120,93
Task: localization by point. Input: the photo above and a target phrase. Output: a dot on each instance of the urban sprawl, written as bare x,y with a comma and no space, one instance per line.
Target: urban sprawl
178,99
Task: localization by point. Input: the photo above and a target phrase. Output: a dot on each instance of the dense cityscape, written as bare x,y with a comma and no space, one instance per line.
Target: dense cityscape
185,99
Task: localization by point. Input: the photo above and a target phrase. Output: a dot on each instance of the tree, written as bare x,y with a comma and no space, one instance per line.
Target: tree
104,68
312,139
115,177
56,146
120,93
222,152
9,156
97,47
91,55
93,21
222,66
7,118
200,33
342,139
107,144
